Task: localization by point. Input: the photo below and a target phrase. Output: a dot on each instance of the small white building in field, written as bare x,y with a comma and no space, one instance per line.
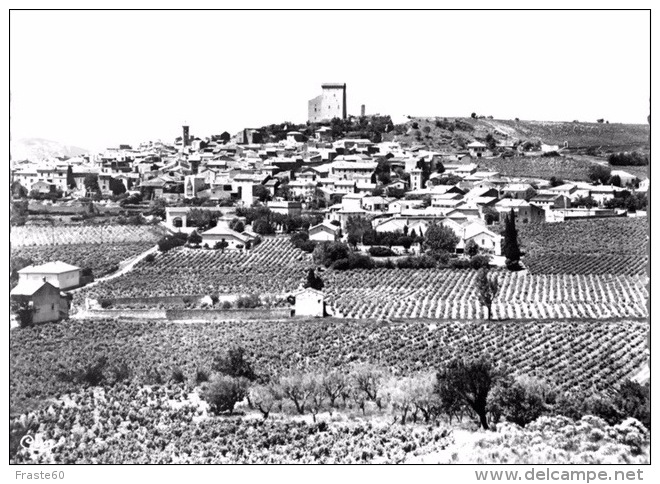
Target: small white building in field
234,240
60,274
42,299
309,302
325,231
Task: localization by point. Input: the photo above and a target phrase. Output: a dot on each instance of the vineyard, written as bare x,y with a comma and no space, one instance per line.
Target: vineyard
101,258
276,267
273,266
132,425
604,246
39,235
452,294
546,168
585,356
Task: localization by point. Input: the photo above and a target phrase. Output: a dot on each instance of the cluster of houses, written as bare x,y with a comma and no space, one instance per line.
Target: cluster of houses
340,178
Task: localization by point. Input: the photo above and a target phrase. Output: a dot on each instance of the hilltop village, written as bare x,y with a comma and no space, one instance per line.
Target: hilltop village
308,292
337,168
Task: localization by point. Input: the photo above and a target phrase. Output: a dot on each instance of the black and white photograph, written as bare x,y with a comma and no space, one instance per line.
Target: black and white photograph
331,237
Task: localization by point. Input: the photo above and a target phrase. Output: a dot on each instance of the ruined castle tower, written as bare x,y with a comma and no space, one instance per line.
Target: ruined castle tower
330,104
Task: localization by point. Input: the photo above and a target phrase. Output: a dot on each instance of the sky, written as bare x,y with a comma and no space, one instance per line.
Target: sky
98,79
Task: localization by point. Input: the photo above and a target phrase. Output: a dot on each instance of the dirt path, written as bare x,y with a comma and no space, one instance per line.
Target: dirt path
128,267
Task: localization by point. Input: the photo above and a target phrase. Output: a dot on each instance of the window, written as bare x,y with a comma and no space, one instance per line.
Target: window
52,307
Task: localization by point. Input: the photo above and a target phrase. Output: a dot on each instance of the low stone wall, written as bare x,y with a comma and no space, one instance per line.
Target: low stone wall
152,301
194,314
127,313
228,314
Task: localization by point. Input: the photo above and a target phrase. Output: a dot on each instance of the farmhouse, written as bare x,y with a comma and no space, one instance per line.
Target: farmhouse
476,149
551,201
42,299
59,274
309,302
324,231
486,239
219,233
524,212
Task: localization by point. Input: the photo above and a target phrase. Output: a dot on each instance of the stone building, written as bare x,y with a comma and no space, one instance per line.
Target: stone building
330,104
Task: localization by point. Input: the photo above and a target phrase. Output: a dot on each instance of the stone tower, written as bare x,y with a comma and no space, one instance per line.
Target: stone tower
415,179
330,104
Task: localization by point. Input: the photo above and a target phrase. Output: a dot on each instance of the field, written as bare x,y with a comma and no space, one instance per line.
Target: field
276,268
97,247
132,425
38,235
273,266
612,137
101,258
584,356
604,246
162,424
452,294
564,168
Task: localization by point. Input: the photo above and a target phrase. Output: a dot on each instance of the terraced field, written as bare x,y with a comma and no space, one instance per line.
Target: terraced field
576,356
601,246
452,294
97,247
274,266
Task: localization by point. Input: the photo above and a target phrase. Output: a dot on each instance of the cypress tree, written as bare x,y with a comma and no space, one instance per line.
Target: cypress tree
511,250
70,181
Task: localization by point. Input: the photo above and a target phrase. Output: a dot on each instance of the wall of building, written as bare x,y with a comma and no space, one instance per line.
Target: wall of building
46,305
63,281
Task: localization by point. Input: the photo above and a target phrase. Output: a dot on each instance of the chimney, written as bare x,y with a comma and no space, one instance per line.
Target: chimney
363,110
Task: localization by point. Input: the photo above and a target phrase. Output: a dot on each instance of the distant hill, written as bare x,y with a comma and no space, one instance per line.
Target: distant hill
454,133
36,149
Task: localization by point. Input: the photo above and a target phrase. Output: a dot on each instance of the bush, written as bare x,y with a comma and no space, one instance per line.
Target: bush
479,261
150,258
460,264
222,393
521,401
234,363
226,305
248,302
416,262
340,265
329,252
201,376
628,159
178,376
93,374
378,251
169,242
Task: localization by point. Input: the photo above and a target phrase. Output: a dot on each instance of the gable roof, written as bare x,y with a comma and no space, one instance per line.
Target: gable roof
29,288
325,224
56,267
224,230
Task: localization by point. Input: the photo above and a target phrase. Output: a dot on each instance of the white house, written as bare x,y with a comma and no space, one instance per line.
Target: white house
626,177
486,239
476,149
220,232
325,231
60,274
309,302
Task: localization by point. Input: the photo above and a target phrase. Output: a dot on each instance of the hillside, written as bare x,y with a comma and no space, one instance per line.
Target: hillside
36,149
454,133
